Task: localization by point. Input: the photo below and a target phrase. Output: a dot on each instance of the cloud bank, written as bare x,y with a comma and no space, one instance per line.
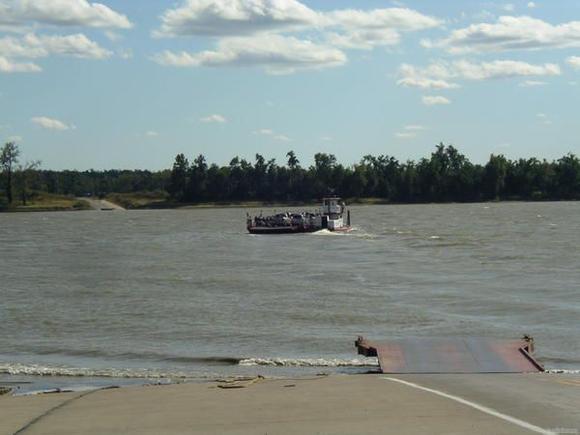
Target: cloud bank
255,33
61,13
51,123
444,75
510,33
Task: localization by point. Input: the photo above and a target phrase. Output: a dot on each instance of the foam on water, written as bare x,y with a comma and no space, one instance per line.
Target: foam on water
143,373
310,362
43,370
325,232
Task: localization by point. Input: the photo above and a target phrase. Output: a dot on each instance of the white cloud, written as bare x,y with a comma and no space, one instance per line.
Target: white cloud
151,133
426,83
440,75
483,15
247,17
271,133
51,123
414,128
510,33
435,76
234,17
275,53
432,100
346,28
8,66
574,62
391,18
544,119
282,138
14,139
61,13
213,118
365,39
410,131
33,46
531,5
326,138
532,83
503,69
264,132
360,29
508,7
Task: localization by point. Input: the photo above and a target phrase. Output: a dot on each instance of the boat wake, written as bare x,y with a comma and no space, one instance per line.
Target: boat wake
326,233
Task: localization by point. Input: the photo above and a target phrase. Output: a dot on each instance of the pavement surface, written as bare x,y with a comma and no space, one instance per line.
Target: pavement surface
101,204
355,404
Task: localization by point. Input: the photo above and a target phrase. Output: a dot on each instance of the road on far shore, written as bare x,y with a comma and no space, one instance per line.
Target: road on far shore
101,204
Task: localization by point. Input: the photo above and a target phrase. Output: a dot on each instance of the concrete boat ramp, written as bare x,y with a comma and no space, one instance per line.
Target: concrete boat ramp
340,404
402,403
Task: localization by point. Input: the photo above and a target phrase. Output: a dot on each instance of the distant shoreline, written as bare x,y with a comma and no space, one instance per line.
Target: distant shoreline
81,204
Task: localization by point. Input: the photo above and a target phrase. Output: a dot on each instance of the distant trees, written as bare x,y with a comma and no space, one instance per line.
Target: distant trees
495,176
445,175
178,180
567,177
8,160
24,176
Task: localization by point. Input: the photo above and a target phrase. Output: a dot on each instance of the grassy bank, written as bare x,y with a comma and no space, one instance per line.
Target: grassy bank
153,200
162,201
46,202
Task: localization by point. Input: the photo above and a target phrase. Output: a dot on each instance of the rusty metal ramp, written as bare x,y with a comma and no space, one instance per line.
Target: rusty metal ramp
452,355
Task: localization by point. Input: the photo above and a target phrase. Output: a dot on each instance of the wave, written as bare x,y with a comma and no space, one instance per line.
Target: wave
41,370
356,233
325,232
17,369
210,360
139,356
309,362
138,373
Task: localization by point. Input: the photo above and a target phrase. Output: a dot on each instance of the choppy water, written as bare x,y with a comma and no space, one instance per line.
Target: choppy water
187,293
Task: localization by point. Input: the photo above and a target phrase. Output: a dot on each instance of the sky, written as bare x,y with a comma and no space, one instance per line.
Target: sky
130,84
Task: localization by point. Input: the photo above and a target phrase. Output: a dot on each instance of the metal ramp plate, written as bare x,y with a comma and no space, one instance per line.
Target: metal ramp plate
451,355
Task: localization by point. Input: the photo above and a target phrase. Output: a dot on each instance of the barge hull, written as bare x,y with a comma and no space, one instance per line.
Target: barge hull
292,230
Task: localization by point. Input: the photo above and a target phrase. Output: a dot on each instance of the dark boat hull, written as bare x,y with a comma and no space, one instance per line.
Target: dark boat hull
280,230
290,230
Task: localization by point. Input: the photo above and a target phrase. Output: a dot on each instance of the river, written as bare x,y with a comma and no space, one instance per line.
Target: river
188,294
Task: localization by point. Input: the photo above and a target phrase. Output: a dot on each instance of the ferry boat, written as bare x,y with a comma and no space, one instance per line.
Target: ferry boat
333,216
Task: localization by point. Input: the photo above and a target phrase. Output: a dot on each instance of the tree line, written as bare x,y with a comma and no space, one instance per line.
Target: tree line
444,176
